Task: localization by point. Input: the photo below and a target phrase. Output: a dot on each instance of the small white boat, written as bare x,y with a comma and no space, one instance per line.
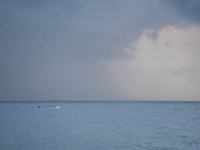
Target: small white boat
56,107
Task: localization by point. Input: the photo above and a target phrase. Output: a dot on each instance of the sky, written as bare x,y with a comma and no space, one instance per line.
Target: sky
77,50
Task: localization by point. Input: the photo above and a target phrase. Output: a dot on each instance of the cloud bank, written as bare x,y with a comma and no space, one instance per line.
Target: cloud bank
166,68
99,50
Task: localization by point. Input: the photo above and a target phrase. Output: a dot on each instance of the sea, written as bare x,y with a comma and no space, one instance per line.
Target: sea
100,125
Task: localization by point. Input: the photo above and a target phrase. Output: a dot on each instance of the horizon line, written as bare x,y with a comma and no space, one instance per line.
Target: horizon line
104,101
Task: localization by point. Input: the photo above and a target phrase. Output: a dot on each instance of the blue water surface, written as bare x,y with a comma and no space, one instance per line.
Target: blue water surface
100,126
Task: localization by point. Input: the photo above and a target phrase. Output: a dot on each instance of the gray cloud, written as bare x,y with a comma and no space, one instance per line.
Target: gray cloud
189,10
152,35
40,42
78,30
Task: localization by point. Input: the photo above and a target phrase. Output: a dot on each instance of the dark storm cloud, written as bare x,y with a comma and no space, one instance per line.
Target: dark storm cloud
78,30
186,9
41,42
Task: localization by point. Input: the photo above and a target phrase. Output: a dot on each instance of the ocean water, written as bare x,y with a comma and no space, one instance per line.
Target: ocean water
100,126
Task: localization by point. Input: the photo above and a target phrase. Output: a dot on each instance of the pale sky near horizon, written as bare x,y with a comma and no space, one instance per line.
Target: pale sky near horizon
99,50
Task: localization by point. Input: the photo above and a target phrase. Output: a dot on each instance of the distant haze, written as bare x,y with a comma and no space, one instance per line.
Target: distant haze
99,50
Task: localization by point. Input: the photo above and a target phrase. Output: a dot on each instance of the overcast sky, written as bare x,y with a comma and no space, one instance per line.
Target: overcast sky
99,50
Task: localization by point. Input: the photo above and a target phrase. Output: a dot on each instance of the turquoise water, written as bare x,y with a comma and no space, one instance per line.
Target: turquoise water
100,126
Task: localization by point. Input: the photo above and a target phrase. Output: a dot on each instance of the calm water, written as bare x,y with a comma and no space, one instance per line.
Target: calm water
100,126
